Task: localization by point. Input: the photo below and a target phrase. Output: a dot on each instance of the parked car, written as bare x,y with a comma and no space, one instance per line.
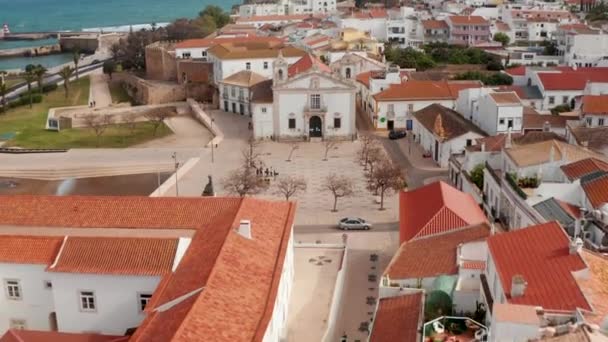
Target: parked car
394,135
353,223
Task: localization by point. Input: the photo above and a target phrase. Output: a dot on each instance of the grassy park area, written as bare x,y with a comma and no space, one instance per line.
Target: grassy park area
24,126
118,92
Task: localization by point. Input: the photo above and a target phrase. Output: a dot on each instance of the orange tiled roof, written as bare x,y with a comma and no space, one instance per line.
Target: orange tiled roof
504,98
208,42
434,24
14,335
397,318
115,211
29,249
516,71
541,255
474,265
433,256
468,20
278,17
363,78
240,276
595,286
446,208
305,63
596,190
425,90
371,14
595,104
128,256
584,167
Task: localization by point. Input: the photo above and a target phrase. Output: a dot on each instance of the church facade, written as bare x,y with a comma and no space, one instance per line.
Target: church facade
306,102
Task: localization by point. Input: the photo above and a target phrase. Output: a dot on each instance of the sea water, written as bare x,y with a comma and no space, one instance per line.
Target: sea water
87,15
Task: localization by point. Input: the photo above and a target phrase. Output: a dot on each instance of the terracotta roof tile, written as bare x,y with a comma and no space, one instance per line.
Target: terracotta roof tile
595,286
250,50
595,138
595,104
584,167
244,78
445,209
425,90
434,24
572,80
454,124
397,318
542,152
29,249
363,78
278,17
433,256
114,211
14,335
127,256
537,121
541,255
305,63
597,190
208,42
262,92
473,265
516,71
371,14
505,98
468,20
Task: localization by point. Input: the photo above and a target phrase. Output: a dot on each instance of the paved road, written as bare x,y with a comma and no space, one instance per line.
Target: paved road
414,176
316,229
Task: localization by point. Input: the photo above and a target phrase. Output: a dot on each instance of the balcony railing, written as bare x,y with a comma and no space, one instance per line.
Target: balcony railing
486,291
316,109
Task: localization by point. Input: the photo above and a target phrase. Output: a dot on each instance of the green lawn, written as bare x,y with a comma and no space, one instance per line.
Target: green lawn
118,93
28,124
13,81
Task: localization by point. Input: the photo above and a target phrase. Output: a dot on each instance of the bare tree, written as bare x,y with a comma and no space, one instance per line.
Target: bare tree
329,145
97,123
368,142
294,146
386,176
374,156
130,121
251,155
243,181
339,186
157,117
289,186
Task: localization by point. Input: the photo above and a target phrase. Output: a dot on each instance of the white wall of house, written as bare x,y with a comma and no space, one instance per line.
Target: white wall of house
277,327
193,52
403,111
223,68
377,26
513,332
423,283
427,140
262,120
494,284
595,120
116,300
585,49
36,303
234,99
539,31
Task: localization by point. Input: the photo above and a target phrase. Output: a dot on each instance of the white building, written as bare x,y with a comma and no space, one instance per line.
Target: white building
372,82
373,21
197,48
442,132
352,64
308,102
493,112
582,46
393,107
236,91
403,27
594,110
230,58
288,7
104,277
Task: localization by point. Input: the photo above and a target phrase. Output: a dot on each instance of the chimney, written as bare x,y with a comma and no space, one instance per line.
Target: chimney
576,246
546,126
577,227
245,229
508,142
483,146
518,286
585,143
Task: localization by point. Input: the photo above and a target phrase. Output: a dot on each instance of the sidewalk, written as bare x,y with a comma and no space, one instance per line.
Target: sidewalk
99,91
414,153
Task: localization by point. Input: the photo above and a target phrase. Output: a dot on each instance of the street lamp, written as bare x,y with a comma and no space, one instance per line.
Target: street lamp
212,139
174,156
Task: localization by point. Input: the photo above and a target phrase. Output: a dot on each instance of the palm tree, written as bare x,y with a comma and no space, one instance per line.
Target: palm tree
29,78
65,74
40,71
2,75
76,59
3,91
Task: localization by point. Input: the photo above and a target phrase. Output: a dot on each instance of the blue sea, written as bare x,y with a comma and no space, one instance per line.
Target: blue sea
74,15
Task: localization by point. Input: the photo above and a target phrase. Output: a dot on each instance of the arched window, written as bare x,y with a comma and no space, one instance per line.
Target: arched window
280,74
348,73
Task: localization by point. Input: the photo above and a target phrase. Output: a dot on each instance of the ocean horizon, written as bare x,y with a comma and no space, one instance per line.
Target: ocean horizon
88,15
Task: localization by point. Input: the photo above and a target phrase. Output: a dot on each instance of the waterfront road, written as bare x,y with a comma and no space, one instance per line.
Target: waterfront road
324,228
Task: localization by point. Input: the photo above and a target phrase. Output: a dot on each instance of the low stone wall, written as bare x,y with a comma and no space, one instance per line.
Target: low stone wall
206,120
151,92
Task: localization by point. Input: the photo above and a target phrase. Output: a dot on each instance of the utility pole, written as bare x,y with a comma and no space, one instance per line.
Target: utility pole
174,156
212,139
